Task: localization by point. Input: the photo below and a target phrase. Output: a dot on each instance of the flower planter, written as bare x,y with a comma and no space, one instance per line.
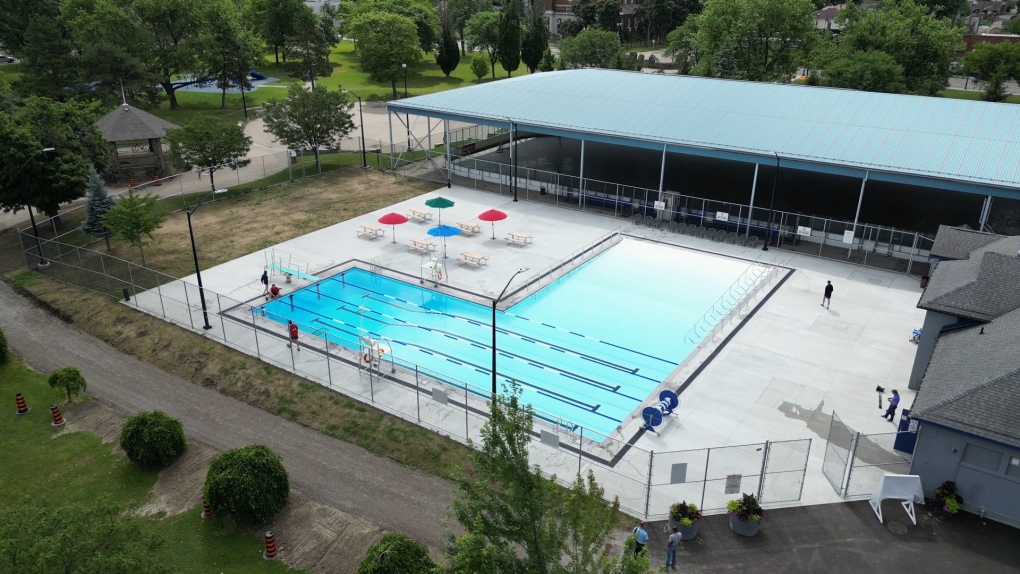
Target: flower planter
687,532
749,528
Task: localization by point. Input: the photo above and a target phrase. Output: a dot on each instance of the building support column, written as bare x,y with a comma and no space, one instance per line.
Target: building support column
580,192
857,215
986,210
389,120
750,209
449,159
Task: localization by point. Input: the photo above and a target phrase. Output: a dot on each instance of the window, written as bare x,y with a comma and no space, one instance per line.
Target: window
1013,468
982,457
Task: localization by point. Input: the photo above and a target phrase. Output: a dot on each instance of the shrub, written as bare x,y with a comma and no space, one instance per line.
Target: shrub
947,498
153,439
397,554
746,509
5,353
249,484
686,514
480,66
68,379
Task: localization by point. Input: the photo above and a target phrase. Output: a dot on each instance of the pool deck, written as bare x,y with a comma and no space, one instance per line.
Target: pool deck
779,377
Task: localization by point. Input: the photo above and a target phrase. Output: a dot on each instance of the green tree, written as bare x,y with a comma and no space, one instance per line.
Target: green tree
228,50
548,62
873,71
460,12
43,536
479,67
310,120
312,42
5,352
97,203
656,18
948,9
536,38
590,49
593,14
249,484
133,218
397,554
153,439
384,42
482,32
48,51
16,18
589,522
991,65
209,144
274,22
509,39
421,12
448,54
171,36
69,380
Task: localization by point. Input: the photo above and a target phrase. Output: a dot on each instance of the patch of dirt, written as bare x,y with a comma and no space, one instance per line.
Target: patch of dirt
321,539
96,418
179,486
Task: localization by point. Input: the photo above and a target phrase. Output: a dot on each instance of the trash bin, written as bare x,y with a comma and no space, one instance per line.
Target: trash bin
542,191
924,281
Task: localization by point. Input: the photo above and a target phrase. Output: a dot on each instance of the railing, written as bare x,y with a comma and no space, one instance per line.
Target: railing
732,302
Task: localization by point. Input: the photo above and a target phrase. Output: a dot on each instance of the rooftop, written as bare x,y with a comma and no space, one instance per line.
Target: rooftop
958,242
127,123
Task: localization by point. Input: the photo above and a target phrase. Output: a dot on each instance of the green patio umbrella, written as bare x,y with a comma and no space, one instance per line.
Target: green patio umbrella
439,203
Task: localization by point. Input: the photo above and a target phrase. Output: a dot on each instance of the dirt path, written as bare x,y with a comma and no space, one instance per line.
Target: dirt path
329,472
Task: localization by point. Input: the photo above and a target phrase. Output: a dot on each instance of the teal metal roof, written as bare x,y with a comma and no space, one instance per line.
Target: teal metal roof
935,142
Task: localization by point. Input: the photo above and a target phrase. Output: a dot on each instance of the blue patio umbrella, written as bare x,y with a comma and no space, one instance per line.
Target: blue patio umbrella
444,231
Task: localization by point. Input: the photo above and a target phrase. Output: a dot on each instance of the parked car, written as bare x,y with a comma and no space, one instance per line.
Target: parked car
6,58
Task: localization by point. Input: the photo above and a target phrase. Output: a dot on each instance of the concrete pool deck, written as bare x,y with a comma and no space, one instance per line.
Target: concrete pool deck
779,377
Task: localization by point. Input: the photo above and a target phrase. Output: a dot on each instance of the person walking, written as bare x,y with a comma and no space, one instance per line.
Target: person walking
672,544
265,283
894,401
640,538
293,331
827,298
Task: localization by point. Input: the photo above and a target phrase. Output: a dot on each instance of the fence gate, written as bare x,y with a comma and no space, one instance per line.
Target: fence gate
785,467
874,456
837,453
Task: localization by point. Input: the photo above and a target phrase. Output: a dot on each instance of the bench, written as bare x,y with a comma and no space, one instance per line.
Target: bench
420,246
468,228
472,259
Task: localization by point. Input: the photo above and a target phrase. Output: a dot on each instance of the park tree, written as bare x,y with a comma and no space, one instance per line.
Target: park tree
274,21
448,54
310,120
548,62
228,49
948,9
483,34
153,439
210,144
480,67
171,36
48,52
593,14
421,12
461,12
873,71
656,18
536,38
918,41
69,380
16,17
591,49
133,218
509,37
5,351
76,538
249,484
991,65
384,42
760,40
397,554
588,522
312,42
97,203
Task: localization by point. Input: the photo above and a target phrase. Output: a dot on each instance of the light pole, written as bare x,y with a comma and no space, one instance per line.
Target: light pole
361,116
407,117
43,264
194,253
494,303
404,66
768,224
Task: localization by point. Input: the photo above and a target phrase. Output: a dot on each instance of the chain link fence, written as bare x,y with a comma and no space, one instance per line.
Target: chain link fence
855,463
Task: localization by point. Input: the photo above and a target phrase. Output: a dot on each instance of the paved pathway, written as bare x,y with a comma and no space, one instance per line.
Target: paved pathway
327,470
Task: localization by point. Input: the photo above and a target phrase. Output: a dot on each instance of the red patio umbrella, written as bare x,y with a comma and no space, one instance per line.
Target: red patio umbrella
493,215
393,219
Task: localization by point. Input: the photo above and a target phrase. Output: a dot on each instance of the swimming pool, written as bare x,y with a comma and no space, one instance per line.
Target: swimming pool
588,348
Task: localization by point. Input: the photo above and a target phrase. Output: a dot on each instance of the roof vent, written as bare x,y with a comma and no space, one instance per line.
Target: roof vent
982,332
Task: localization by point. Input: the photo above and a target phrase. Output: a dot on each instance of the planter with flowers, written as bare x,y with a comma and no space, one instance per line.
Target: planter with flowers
745,515
685,518
947,500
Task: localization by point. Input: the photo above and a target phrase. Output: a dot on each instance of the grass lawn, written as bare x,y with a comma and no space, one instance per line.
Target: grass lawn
77,467
10,72
972,95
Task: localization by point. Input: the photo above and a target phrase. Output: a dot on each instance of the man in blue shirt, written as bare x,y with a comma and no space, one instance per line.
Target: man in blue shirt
641,538
894,401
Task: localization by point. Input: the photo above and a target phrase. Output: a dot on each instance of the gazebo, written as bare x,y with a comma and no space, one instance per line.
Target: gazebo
127,123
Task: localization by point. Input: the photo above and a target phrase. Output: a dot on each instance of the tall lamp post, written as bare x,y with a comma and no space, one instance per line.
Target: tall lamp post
194,253
768,224
361,116
494,303
43,263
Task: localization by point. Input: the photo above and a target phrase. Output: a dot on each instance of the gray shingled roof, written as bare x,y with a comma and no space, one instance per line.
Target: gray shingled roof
982,288
129,123
959,242
973,381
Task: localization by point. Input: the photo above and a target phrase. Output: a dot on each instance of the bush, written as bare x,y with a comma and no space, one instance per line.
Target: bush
480,66
684,513
397,554
153,439
68,379
5,353
249,484
746,509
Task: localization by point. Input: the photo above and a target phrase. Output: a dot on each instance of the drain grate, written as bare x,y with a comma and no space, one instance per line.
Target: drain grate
898,527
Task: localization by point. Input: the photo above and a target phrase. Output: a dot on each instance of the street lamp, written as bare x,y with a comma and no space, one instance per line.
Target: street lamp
404,66
43,264
194,253
768,224
364,158
494,303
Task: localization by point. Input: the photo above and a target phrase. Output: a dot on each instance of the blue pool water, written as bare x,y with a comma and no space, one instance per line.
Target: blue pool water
589,348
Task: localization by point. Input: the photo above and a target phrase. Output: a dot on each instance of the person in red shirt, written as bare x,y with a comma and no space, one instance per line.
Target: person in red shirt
274,291
293,331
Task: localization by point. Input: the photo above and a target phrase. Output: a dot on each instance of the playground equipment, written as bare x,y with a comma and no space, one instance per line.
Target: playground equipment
668,402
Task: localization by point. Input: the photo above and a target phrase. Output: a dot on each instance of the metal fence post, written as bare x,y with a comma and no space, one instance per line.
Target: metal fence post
223,324
255,328
187,303
648,492
708,457
467,430
580,450
850,465
329,371
417,392
803,476
134,291
764,462
159,289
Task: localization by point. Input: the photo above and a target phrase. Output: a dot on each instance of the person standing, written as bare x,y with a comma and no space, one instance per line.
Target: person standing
827,298
293,331
894,401
672,544
640,538
265,284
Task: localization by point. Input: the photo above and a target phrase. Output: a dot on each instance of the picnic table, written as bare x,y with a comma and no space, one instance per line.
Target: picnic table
469,228
472,259
371,231
421,246
418,215
519,239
